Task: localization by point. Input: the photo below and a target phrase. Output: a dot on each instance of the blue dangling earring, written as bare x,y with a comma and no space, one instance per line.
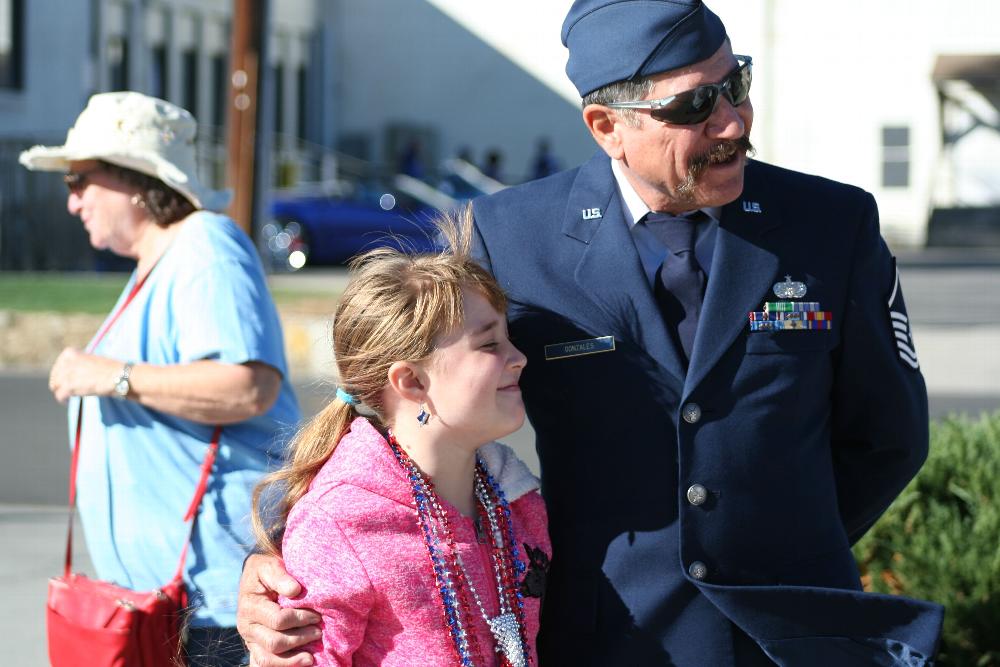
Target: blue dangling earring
423,417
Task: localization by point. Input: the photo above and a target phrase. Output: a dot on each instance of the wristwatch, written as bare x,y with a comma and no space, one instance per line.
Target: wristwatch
122,386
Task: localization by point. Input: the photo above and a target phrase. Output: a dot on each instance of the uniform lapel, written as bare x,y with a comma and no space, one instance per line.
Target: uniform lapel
609,271
741,275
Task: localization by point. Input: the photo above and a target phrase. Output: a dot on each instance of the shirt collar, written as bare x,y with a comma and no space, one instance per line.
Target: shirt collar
635,208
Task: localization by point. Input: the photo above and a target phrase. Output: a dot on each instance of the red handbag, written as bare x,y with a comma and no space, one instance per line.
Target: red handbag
94,623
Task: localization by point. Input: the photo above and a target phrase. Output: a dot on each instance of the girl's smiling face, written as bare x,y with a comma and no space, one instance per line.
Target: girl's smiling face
473,374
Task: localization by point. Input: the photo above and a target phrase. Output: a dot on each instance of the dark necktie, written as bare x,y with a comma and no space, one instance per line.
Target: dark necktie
680,281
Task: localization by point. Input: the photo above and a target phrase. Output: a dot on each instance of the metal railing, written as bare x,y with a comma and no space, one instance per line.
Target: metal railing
37,233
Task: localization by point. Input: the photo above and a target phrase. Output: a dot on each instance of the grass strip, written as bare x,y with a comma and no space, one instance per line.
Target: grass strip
96,293
61,292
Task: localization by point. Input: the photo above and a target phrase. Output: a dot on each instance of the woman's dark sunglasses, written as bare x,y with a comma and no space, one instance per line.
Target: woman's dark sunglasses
76,181
696,105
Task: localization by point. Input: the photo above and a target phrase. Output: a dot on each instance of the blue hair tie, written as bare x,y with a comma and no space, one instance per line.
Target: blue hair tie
347,398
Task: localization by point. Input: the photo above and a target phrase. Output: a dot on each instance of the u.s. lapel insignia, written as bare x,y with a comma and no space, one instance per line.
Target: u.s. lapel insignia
901,330
579,348
591,213
752,207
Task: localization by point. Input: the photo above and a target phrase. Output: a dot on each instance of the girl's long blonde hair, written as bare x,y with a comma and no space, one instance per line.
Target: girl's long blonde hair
394,309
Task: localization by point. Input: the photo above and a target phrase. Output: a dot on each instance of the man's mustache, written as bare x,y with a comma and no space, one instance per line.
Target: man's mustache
720,152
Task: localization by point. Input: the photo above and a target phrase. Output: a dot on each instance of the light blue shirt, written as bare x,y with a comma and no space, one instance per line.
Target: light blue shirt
205,299
652,252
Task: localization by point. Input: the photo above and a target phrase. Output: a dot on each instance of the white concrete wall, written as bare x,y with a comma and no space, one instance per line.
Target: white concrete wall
831,76
406,61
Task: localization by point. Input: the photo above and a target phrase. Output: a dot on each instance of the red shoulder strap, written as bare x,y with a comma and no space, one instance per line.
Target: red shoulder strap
206,466
199,493
189,515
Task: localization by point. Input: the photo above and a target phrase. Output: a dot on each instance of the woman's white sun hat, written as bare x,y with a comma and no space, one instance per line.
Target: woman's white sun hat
138,132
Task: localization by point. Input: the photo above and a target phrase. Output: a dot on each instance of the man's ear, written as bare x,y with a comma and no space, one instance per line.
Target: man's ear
408,380
604,125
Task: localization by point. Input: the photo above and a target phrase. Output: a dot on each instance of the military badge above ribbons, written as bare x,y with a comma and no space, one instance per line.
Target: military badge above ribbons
901,330
789,315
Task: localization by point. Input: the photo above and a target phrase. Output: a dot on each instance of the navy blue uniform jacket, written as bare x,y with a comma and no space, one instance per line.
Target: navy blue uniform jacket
804,438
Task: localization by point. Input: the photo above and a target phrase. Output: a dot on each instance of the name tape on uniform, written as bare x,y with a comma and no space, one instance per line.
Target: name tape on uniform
577,348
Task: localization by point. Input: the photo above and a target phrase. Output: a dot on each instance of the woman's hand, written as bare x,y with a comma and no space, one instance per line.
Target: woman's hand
77,373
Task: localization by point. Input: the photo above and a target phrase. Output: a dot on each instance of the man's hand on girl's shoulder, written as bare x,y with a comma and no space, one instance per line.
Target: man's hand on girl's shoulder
273,634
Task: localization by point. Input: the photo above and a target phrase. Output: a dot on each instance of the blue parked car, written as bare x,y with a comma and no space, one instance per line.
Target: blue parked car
320,230
308,228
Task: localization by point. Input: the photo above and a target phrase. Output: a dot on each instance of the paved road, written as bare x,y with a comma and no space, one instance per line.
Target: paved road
33,540
955,308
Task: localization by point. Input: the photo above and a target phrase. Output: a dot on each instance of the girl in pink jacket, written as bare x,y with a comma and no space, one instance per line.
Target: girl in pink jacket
418,539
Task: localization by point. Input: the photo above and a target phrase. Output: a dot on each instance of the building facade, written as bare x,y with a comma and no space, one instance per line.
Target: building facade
55,54
897,97
849,91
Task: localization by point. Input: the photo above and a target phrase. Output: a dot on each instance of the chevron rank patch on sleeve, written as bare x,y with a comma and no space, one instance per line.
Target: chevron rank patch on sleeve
901,330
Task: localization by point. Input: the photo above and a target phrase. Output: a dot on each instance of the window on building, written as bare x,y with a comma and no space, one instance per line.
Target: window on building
279,98
302,129
11,46
220,91
189,79
895,157
158,71
117,57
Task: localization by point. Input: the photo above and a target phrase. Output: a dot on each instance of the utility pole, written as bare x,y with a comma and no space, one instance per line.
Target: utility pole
245,55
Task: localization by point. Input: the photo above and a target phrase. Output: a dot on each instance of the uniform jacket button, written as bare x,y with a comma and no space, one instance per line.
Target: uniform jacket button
697,494
691,413
698,570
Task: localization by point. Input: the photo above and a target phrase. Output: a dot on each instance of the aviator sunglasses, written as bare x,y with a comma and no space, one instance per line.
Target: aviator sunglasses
696,105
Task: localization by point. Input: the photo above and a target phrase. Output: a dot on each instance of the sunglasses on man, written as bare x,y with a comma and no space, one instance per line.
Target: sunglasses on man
696,105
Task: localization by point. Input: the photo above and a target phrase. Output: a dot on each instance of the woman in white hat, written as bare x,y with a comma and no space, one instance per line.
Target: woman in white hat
193,343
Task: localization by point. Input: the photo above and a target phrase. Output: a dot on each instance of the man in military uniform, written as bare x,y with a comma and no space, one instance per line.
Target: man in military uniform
721,376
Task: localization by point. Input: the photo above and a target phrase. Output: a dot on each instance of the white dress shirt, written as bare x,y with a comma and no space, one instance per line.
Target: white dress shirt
652,252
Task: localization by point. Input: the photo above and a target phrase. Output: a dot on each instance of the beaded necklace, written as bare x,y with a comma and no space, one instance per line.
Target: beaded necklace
452,580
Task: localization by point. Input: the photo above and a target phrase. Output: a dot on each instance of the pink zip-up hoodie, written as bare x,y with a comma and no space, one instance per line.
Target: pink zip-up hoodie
354,544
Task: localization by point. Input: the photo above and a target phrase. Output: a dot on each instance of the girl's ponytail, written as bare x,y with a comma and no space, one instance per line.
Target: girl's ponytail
276,493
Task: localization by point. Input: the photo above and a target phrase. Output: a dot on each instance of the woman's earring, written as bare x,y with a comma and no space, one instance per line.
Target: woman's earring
138,201
423,416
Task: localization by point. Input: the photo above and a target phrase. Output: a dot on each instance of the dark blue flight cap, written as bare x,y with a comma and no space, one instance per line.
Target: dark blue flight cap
615,40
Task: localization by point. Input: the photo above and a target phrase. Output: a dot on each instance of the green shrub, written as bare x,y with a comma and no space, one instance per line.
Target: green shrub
940,540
